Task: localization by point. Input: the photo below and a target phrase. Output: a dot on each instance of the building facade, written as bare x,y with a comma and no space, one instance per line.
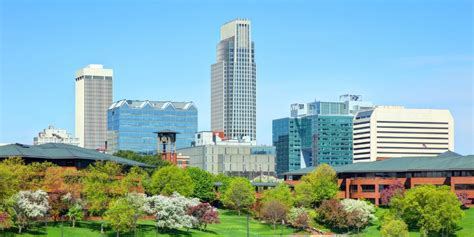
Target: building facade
317,132
55,135
93,97
231,157
131,124
233,82
395,131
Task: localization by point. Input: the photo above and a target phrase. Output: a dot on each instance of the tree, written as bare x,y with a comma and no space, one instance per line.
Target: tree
137,201
239,195
299,217
120,215
154,160
319,185
395,189
5,220
29,206
204,213
224,180
434,210
135,180
171,179
394,228
359,213
75,213
14,176
463,197
171,212
203,184
281,193
332,213
274,211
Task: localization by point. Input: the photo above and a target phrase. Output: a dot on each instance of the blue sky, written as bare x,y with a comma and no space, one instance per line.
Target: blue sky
405,52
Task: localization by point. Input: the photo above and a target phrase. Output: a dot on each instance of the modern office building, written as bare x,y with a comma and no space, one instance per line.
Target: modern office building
55,135
233,82
317,132
93,97
395,131
230,157
366,180
131,124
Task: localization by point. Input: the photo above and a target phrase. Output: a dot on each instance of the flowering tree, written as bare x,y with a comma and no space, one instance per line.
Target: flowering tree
298,217
463,198
394,189
137,202
360,213
5,220
204,213
28,206
171,212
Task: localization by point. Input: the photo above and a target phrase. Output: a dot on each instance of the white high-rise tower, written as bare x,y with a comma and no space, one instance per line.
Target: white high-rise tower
233,82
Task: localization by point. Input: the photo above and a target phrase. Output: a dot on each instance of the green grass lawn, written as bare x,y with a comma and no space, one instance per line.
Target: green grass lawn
466,225
231,225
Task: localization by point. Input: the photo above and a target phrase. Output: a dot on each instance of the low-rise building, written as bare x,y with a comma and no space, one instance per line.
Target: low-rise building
366,180
230,157
55,135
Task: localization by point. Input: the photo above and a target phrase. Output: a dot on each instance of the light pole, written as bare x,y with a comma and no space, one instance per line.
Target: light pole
248,225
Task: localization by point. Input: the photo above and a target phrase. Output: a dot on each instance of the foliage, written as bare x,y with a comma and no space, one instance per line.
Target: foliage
463,197
299,217
394,227
120,215
359,213
267,179
203,184
225,180
154,160
281,193
29,206
274,211
5,220
135,180
239,195
100,185
395,189
204,214
319,185
14,176
430,208
171,179
171,212
332,213
75,213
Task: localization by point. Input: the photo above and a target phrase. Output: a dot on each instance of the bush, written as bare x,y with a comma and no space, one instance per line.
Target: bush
394,228
299,217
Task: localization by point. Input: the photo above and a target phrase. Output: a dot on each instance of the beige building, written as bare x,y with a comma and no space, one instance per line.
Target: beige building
232,158
93,97
55,135
395,131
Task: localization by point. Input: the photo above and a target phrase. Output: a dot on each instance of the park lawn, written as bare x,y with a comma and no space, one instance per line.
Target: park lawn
466,225
231,225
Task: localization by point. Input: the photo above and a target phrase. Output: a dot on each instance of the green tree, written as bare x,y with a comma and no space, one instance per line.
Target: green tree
154,160
224,180
135,180
171,179
14,176
319,185
281,193
434,210
203,184
239,195
75,213
120,215
394,228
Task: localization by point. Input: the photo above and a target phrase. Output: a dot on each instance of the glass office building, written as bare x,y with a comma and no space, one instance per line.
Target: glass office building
322,133
131,124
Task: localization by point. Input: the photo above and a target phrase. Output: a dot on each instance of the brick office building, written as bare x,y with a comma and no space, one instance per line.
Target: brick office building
366,180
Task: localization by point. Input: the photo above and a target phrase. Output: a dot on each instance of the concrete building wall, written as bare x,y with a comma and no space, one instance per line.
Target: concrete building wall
393,131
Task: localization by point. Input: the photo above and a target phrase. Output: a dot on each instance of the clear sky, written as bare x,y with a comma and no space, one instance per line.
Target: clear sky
414,53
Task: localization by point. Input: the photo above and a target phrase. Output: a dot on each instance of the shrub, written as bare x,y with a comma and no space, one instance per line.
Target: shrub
394,228
298,217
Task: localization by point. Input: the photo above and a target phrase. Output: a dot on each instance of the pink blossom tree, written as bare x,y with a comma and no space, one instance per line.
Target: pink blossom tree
394,189
205,214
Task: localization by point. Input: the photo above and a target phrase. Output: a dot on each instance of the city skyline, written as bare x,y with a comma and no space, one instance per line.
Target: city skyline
331,58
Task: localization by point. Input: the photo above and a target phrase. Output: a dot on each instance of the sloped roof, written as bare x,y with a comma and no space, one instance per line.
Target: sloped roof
159,105
59,151
448,161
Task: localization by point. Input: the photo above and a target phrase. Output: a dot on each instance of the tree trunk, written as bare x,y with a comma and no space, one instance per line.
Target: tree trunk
73,223
102,228
19,229
274,225
239,212
118,234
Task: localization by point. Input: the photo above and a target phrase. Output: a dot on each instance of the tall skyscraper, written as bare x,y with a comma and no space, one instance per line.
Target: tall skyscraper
93,98
233,82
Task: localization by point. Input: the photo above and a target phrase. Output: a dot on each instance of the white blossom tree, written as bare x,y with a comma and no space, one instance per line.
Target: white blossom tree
362,211
29,206
171,212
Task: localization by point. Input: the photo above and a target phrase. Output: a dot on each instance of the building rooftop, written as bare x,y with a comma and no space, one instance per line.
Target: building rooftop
448,161
59,151
160,105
